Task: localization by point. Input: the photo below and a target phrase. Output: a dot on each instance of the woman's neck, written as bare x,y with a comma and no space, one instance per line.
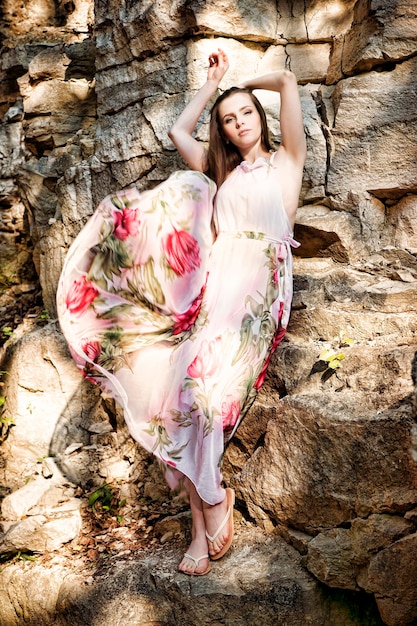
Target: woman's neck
254,153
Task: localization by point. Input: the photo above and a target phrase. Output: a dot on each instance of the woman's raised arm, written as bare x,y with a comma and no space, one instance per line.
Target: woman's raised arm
293,149
181,133
293,139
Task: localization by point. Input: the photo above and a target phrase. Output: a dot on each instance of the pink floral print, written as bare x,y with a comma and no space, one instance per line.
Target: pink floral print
81,295
206,362
92,349
185,321
230,412
178,329
182,252
126,223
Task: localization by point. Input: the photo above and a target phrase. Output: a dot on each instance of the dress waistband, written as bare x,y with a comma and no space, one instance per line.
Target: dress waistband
250,234
284,245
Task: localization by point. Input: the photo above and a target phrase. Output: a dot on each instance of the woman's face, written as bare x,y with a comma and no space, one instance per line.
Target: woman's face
240,121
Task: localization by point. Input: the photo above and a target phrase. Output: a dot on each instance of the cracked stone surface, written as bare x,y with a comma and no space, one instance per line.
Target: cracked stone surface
325,464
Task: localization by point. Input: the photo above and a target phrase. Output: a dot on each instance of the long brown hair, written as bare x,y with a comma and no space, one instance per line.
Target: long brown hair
223,157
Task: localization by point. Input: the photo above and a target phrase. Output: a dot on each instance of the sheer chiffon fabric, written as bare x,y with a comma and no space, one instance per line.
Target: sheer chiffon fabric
179,328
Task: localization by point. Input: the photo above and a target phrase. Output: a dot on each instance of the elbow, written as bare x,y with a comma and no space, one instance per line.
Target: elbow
171,133
288,77
175,131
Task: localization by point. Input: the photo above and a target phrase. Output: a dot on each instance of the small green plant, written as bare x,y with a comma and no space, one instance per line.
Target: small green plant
6,421
7,279
43,317
105,499
331,357
25,556
18,556
7,331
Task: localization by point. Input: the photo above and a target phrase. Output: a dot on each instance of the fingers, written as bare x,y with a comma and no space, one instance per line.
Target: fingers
218,58
218,65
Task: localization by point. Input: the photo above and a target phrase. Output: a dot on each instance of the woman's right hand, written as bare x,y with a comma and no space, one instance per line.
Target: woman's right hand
218,65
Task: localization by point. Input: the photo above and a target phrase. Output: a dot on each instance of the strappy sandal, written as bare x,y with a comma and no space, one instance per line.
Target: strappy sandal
230,495
196,563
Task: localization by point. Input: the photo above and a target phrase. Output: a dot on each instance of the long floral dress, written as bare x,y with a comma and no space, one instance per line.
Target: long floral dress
177,328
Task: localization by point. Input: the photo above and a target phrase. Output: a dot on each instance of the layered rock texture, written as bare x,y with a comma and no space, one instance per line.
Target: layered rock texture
325,464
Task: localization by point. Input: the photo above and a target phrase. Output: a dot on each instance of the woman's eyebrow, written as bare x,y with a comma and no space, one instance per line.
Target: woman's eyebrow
247,106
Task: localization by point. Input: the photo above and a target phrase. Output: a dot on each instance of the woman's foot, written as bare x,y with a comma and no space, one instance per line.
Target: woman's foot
196,560
219,525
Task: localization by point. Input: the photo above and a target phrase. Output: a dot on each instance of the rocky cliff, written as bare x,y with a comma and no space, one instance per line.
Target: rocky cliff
325,464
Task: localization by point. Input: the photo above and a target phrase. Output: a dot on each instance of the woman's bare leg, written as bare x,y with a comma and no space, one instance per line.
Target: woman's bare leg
213,517
198,546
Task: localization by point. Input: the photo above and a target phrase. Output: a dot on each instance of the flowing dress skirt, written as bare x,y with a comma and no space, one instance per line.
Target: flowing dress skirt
178,329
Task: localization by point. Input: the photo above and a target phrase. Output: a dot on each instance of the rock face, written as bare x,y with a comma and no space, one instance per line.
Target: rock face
327,458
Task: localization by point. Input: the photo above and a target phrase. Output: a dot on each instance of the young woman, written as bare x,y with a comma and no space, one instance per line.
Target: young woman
175,309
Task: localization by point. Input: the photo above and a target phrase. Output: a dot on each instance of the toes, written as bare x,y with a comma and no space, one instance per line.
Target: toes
185,568
199,570
188,567
215,547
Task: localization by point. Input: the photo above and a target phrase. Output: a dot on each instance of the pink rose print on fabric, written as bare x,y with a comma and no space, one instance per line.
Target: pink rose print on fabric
230,412
207,361
80,296
279,335
126,223
184,321
170,463
182,252
92,349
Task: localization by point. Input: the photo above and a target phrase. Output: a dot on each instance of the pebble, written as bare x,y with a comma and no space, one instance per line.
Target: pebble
167,537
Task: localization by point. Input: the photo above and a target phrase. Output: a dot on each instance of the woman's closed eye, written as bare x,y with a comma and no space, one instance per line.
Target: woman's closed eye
232,118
